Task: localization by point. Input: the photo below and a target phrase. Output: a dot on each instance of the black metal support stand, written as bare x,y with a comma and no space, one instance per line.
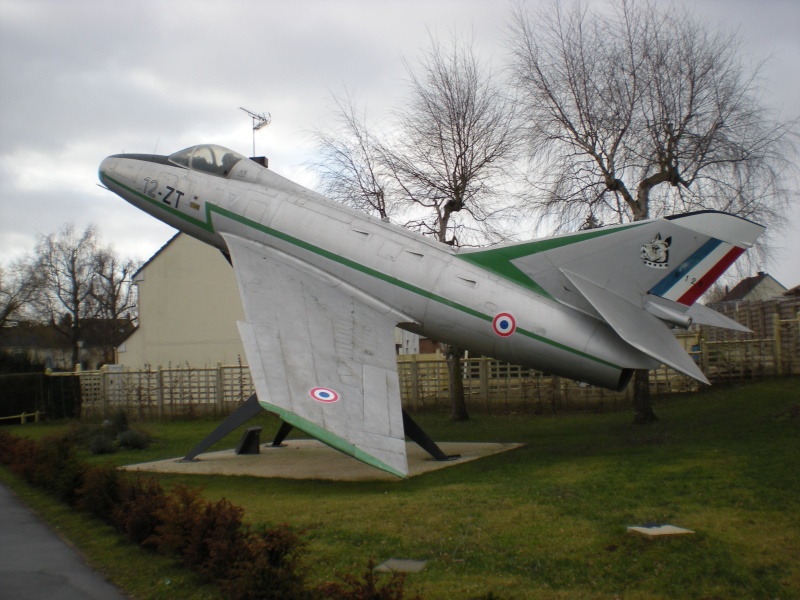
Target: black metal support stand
421,438
250,441
251,408
239,417
281,435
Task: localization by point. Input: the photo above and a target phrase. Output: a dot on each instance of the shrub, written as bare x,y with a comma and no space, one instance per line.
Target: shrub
367,588
102,444
137,516
268,568
208,536
58,469
99,492
216,540
8,445
81,434
133,440
117,424
178,517
22,456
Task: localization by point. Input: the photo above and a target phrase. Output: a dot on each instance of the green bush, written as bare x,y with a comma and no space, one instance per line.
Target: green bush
133,440
117,424
102,444
58,469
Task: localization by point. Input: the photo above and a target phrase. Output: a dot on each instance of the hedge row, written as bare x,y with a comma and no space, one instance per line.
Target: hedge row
246,562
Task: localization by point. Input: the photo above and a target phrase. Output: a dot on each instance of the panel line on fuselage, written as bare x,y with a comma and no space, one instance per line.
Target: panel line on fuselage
225,213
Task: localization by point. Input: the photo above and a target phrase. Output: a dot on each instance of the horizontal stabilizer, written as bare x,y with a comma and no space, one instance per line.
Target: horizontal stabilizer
706,316
679,315
641,329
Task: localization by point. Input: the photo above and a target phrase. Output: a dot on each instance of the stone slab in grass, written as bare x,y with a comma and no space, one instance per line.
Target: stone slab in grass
401,565
659,530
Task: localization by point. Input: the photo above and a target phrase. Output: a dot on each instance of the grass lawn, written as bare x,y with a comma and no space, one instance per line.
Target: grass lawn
548,520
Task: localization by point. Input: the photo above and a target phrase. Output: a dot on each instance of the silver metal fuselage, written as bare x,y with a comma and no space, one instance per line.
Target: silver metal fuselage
444,297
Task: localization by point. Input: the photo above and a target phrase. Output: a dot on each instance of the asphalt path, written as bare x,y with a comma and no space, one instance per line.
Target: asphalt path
36,564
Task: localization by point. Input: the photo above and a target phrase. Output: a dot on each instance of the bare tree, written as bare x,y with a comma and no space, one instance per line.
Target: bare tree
115,296
66,264
456,143
18,285
350,163
640,112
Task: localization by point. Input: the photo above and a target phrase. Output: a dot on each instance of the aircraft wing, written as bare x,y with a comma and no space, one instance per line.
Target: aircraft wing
321,354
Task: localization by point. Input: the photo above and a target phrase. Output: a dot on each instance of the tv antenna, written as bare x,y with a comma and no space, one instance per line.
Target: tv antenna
259,121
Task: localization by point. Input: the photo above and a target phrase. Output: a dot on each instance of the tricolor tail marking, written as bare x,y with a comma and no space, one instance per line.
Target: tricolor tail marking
695,275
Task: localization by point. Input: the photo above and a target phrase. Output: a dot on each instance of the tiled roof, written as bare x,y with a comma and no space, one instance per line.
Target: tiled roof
744,287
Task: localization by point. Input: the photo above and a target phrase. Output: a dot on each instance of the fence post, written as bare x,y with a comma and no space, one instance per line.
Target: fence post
794,343
160,392
703,355
483,378
414,391
103,392
220,389
776,327
556,400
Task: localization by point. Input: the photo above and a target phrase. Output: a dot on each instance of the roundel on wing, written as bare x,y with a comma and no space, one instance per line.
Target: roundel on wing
321,394
504,324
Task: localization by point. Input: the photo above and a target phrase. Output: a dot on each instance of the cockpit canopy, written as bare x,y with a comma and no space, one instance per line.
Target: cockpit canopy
208,158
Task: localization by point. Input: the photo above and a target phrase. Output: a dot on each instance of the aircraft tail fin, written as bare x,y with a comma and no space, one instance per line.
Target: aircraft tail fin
641,278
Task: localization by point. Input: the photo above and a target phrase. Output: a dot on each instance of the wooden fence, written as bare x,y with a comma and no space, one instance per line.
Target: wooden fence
159,392
493,386
490,385
773,347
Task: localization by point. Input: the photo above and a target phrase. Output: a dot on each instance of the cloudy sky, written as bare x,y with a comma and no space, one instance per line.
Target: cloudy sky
82,79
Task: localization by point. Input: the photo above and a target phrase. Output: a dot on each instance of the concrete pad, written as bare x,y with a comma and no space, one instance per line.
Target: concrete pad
310,459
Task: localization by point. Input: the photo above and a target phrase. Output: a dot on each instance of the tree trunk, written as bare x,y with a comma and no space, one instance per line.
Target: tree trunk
642,405
458,405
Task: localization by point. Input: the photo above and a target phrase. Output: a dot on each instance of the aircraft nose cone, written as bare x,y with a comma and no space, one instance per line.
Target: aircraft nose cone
106,168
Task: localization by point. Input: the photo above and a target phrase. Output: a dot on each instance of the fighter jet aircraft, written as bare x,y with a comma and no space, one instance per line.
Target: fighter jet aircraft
323,286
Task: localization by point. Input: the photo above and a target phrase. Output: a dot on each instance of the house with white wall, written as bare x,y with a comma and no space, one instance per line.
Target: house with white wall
752,289
188,307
